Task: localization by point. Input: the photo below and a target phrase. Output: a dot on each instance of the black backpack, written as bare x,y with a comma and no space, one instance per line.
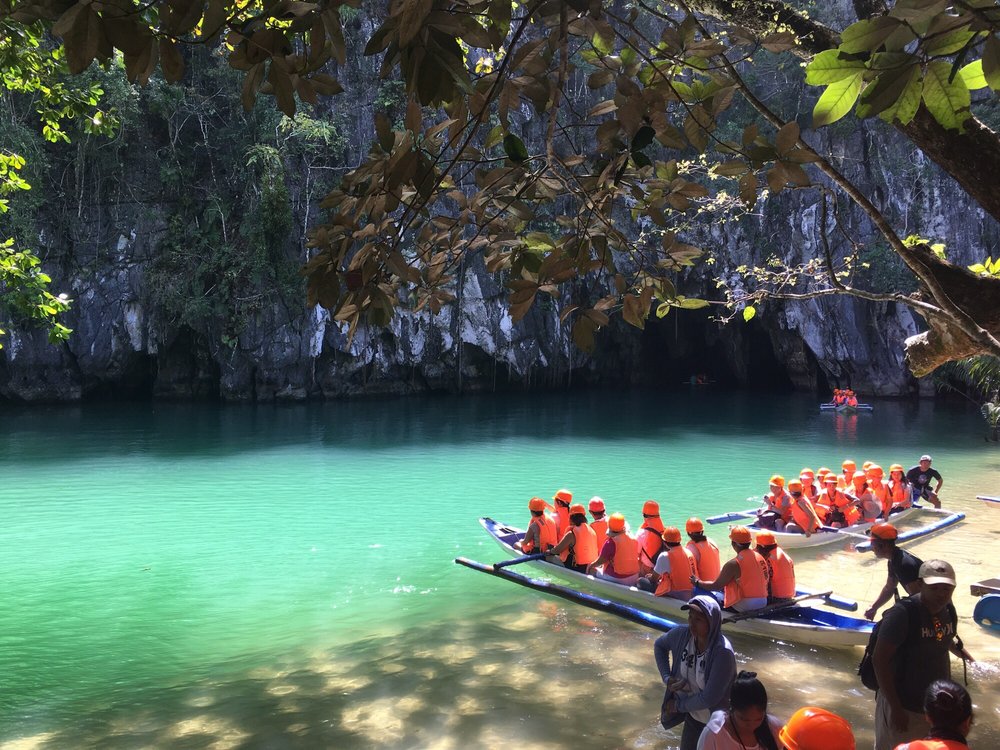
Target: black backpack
866,669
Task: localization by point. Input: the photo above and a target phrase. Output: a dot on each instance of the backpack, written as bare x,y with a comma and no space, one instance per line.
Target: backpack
866,668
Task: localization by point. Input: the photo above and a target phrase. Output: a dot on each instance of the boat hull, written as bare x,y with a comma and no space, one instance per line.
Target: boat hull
799,624
800,541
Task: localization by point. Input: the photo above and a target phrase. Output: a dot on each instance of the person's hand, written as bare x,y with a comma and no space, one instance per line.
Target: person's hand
898,719
870,613
695,581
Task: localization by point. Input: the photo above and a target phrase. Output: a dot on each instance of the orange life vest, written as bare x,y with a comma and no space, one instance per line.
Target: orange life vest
752,583
584,545
600,527
810,490
778,503
650,543
625,563
706,559
852,401
781,574
933,745
561,521
802,517
840,501
899,493
844,480
682,567
546,534
880,490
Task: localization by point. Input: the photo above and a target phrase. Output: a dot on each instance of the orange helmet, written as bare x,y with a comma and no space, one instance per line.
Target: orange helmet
896,467
577,509
884,531
536,503
807,474
596,505
875,471
766,538
778,480
650,508
849,464
564,496
830,479
866,465
694,526
616,522
740,534
671,534
859,478
813,728
822,471
795,486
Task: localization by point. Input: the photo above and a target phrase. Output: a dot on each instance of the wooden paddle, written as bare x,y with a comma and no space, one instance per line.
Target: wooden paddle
774,607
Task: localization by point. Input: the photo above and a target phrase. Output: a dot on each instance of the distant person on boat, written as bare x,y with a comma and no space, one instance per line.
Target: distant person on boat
674,567
746,724
780,569
801,517
619,555
777,503
948,709
812,728
743,580
904,568
649,537
698,666
600,522
541,533
900,491
563,499
920,478
839,397
912,650
707,559
852,400
578,547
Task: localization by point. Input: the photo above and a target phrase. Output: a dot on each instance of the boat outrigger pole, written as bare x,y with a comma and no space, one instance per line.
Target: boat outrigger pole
587,600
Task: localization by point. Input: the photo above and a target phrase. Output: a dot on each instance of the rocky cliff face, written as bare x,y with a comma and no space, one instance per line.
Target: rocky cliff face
109,220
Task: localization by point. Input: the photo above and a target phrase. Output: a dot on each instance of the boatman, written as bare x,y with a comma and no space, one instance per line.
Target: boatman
578,548
743,580
619,555
541,533
649,537
920,477
674,568
707,561
780,569
600,522
904,568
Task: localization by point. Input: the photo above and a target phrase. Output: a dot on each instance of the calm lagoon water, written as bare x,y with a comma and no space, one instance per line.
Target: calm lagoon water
280,576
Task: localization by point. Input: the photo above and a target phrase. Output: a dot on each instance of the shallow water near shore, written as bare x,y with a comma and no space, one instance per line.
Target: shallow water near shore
249,577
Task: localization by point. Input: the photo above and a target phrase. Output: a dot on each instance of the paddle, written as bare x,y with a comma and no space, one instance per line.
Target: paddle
774,607
519,560
834,600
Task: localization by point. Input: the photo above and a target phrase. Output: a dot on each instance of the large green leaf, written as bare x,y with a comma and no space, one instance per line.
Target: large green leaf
948,100
907,103
515,148
991,62
829,67
836,101
867,36
973,75
886,90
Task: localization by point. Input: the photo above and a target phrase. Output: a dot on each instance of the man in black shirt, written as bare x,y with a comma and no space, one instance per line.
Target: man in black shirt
920,477
904,568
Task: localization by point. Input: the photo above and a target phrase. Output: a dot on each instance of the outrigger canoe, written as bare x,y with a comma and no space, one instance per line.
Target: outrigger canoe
845,408
797,623
826,535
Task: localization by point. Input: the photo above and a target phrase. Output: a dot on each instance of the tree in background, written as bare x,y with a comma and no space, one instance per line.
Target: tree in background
680,136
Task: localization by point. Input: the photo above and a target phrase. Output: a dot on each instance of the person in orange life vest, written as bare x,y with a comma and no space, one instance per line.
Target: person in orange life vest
776,503
600,522
900,491
649,537
780,568
904,568
852,400
821,473
879,488
578,548
948,708
674,567
563,499
864,499
743,580
541,533
843,511
619,555
844,480
812,728
809,488
707,560
838,397
802,516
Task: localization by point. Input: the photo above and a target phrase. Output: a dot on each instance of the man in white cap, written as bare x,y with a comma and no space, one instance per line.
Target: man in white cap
920,477
912,650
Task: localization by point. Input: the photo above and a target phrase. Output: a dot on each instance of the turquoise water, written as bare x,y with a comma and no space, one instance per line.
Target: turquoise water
156,560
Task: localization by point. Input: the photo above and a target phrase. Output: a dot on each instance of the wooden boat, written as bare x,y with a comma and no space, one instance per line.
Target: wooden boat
797,623
826,535
991,502
845,408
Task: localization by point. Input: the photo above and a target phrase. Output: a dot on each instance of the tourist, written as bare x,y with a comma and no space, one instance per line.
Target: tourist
780,569
900,491
541,533
812,728
746,724
707,560
563,499
863,498
920,477
844,480
649,537
879,489
904,568
619,555
852,399
578,547
809,488
842,508
948,709
776,503
600,522
743,580
674,568
912,650
801,517
698,666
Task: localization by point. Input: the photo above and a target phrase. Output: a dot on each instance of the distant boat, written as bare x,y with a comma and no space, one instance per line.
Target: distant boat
845,408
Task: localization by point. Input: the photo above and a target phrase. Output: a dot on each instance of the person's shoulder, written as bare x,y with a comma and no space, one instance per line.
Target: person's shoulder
717,721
